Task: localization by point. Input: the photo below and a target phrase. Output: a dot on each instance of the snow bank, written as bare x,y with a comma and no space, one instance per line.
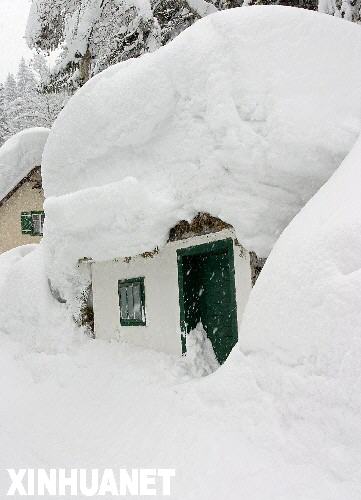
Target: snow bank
306,307
28,311
111,405
19,155
244,115
200,360
8,259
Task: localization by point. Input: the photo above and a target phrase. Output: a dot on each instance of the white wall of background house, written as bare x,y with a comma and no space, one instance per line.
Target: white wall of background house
160,272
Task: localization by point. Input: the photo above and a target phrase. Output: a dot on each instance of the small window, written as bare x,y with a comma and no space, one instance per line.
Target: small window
32,223
38,223
132,302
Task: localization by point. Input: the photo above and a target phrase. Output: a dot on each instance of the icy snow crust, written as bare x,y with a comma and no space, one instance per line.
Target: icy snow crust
245,115
19,155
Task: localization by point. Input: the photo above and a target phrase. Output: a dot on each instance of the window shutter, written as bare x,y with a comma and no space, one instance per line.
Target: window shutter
26,223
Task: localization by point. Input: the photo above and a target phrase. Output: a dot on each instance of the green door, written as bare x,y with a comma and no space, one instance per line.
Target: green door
207,294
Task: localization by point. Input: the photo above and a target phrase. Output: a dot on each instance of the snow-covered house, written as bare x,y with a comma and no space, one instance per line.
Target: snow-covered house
173,175
202,275
21,193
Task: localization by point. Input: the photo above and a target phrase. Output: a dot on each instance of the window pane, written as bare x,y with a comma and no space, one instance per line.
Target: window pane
130,302
137,301
123,303
36,223
42,218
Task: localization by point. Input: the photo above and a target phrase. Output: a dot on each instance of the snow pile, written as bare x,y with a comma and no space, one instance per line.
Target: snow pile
110,405
200,360
8,259
227,119
28,311
19,155
306,307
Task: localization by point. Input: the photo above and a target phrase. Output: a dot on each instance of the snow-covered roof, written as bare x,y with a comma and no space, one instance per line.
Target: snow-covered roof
244,115
19,155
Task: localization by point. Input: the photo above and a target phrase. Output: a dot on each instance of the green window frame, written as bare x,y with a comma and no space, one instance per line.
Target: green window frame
32,223
131,294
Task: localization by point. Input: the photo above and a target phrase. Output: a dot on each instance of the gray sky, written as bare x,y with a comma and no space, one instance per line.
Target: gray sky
13,17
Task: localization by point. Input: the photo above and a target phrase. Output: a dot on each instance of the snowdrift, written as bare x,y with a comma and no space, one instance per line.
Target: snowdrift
19,155
245,115
28,312
306,306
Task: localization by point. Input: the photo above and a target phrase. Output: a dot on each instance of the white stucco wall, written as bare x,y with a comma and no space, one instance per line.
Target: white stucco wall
162,331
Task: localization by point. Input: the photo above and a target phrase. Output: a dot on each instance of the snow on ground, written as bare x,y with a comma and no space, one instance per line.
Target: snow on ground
112,405
28,311
256,428
8,259
227,119
19,155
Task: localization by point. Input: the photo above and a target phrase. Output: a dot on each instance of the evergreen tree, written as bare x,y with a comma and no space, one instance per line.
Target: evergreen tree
10,96
10,89
94,34
348,9
49,103
22,110
25,102
4,129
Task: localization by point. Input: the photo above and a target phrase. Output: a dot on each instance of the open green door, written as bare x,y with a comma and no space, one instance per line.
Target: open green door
207,294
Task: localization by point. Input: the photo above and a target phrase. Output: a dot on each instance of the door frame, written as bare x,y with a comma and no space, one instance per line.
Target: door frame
225,245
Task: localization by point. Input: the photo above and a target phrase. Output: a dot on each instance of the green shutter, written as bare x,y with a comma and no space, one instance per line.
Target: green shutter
26,223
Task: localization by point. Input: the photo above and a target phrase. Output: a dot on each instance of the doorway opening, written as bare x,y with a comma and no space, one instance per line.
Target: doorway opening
207,294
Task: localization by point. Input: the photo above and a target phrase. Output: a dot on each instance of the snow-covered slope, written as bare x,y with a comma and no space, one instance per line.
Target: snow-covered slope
19,155
306,306
244,115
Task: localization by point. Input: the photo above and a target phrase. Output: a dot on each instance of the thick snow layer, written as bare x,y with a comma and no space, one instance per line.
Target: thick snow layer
278,422
237,434
306,306
28,311
255,428
8,259
245,115
19,155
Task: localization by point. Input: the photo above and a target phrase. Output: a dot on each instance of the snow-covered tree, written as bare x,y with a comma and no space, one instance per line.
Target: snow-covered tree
303,4
49,103
9,97
22,110
25,102
4,129
10,89
94,34
348,9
